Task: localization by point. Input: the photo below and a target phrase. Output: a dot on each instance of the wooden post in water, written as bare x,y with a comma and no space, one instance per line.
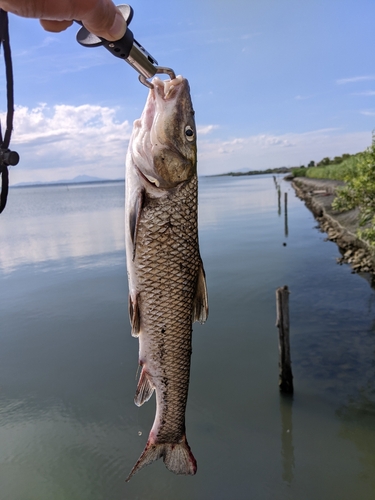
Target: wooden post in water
286,214
282,323
279,200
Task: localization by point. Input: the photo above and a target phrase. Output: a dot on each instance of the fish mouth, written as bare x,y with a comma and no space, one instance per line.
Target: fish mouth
166,89
159,104
160,161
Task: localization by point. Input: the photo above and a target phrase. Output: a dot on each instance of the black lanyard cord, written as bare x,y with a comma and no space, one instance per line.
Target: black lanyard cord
4,187
7,157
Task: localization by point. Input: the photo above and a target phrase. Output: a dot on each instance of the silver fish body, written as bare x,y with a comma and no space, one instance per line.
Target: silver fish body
167,288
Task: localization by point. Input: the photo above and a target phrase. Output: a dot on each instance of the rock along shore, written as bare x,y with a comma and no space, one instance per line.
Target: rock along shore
318,195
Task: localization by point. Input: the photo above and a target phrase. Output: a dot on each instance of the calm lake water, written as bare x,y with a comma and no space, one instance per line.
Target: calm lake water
69,429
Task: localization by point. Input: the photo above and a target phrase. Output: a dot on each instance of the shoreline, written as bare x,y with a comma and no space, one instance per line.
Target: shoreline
341,228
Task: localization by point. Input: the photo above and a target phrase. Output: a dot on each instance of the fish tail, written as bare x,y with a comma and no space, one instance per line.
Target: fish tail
177,457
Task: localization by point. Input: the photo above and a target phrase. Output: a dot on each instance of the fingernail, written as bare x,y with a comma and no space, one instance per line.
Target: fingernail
118,28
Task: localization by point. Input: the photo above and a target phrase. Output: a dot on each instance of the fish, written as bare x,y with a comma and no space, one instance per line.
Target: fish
167,284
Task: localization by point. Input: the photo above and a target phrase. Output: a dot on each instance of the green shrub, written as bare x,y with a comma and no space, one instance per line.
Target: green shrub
334,171
359,191
358,173
299,172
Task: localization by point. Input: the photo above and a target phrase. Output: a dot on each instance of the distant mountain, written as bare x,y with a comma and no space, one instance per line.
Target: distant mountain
76,180
86,178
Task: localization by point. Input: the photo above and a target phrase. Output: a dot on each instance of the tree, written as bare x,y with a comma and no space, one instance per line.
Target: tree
324,162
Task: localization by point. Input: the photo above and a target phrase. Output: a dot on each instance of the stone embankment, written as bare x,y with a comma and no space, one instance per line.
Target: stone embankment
318,195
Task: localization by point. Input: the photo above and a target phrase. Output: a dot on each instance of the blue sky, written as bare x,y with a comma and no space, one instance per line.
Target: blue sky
274,83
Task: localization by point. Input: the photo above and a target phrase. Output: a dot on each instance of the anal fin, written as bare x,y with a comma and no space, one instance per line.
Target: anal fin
200,303
145,388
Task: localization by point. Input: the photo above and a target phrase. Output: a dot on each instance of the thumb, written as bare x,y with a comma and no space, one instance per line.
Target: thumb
106,21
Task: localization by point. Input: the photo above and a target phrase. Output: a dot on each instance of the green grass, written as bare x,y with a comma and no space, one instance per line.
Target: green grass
339,172
358,172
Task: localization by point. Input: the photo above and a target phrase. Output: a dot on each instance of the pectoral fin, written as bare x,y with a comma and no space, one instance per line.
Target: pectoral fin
134,315
145,388
134,216
200,303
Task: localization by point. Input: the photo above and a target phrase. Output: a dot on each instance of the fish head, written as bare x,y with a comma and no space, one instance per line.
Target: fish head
163,146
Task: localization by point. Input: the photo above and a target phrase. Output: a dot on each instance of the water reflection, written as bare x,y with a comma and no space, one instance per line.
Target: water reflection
68,426
357,418
44,439
287,448
250,199
54,223
286,229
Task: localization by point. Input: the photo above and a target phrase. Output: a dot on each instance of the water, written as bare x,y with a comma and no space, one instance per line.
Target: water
68,426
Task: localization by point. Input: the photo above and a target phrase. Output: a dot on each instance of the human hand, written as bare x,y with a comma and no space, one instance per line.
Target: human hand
100,17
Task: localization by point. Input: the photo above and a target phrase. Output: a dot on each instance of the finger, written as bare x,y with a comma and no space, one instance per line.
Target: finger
55,26
106,22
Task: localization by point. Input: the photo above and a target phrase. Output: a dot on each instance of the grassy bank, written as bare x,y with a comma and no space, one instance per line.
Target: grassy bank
358,172
338,171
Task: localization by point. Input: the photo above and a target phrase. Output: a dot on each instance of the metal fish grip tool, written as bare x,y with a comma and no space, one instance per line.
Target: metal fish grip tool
128,49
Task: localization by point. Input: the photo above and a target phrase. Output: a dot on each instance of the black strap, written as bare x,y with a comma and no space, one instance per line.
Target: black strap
4,40
4,187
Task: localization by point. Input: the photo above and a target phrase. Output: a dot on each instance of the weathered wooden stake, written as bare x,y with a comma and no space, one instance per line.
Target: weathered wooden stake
278,200
282,323
286,213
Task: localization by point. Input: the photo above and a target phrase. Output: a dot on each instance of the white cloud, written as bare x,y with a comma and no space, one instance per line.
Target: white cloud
302,97
33,49
64,141
263,141
355,79
249,35
263,151
365,92
206,129
368,112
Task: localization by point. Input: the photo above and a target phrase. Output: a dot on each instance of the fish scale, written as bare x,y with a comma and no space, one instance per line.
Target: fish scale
166,277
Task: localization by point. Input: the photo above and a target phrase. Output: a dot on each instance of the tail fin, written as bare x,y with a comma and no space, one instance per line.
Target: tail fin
177,457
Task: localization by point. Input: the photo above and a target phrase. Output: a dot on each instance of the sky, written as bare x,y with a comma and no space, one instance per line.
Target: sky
274,83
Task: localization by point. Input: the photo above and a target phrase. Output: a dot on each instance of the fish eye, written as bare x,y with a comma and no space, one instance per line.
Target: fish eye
189,132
